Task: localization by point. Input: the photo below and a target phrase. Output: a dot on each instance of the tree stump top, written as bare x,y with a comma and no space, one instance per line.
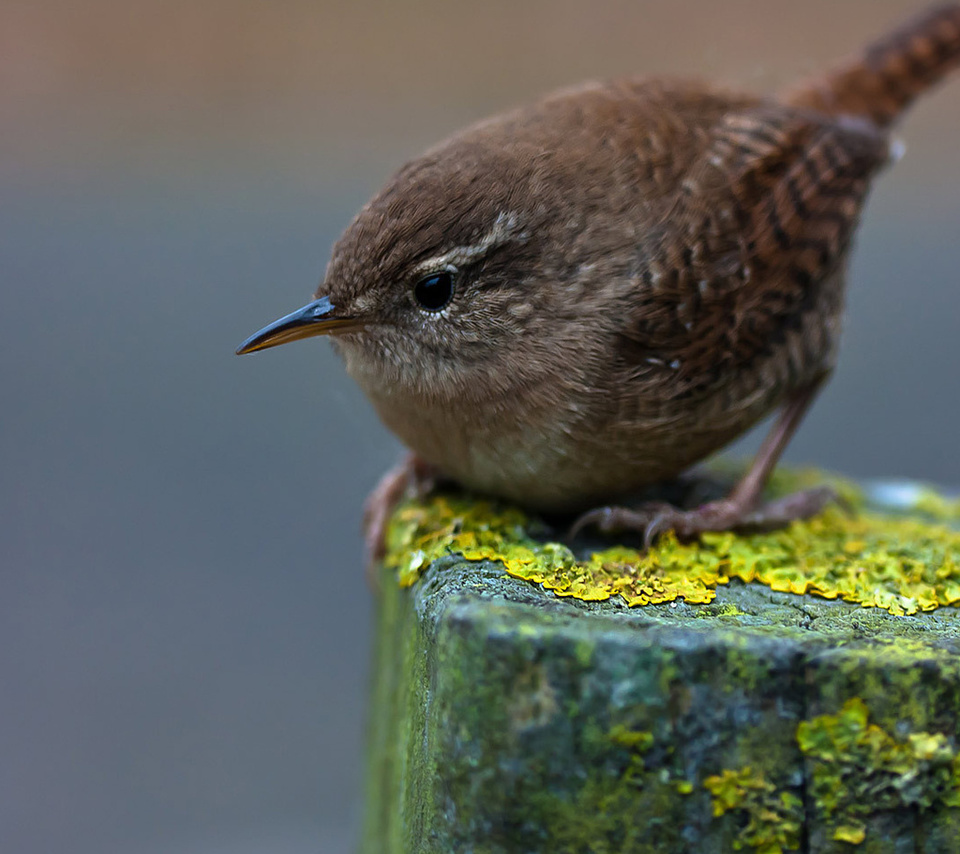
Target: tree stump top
789,691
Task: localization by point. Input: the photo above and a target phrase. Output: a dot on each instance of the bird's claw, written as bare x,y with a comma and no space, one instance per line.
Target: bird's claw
410,477
656,518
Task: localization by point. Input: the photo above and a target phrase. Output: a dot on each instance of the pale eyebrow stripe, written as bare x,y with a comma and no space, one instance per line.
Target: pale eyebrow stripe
502,232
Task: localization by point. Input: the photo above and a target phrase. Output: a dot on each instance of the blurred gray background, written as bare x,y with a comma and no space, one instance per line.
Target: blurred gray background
184,623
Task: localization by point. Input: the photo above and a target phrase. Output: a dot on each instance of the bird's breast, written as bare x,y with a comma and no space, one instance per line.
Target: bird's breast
548,461
508,452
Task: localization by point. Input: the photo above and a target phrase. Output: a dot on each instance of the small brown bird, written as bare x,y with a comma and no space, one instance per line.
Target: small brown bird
569,301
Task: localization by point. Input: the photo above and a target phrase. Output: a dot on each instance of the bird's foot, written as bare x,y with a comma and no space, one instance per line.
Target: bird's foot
410,477
655,518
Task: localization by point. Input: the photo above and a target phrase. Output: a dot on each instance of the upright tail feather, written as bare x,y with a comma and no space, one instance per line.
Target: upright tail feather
884,80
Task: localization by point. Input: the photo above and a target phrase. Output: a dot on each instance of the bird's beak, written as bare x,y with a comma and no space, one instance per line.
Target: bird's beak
318,318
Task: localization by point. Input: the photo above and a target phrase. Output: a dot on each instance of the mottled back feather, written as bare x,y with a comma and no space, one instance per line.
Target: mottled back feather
762,218
761,221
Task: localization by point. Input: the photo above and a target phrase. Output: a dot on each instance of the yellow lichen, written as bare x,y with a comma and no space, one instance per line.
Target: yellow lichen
854,834
859,769
773,818
637,742
901,564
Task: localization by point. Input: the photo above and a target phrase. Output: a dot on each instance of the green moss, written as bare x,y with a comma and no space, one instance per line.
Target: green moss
859,769
396,721
903,565
608,815
621,808
524,768
773,818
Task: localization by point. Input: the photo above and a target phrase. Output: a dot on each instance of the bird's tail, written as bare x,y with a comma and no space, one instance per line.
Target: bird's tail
884,80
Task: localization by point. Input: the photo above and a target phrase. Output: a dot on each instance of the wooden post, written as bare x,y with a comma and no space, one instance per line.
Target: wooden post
507,719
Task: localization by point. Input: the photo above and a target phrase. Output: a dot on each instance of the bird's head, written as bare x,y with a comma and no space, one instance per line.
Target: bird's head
443,285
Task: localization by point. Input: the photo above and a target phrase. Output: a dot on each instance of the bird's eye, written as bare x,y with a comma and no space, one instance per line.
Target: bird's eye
433,292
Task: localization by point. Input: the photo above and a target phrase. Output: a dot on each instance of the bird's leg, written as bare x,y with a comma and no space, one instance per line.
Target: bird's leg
741,508
411,476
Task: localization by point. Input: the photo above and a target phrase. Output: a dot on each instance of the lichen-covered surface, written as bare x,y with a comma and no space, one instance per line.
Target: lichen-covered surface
859,769
507,719
903,564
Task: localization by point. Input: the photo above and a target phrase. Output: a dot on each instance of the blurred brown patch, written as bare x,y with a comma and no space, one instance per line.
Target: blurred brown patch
86,80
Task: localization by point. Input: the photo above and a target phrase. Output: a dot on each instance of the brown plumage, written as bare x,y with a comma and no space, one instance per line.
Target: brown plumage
886,78
578,298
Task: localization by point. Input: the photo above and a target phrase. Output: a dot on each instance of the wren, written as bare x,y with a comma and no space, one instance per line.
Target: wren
578,298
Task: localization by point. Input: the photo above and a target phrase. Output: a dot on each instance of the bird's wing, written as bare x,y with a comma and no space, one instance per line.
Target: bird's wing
760,221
